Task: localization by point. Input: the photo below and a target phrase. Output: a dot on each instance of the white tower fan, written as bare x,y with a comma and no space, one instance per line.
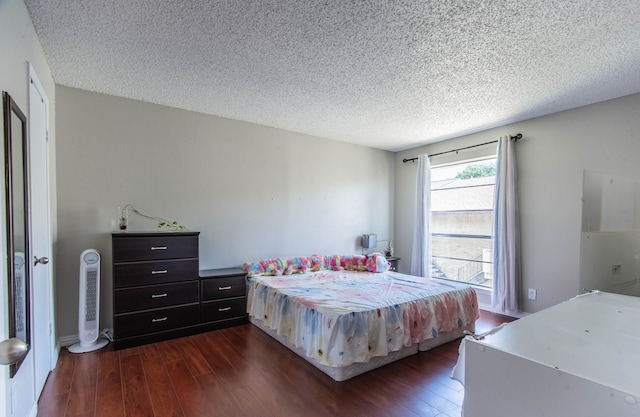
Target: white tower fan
89,304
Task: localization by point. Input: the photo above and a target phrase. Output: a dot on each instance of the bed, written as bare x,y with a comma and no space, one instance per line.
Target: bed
349,315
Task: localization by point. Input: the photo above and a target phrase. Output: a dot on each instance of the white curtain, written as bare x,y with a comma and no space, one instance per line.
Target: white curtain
421,256
506,232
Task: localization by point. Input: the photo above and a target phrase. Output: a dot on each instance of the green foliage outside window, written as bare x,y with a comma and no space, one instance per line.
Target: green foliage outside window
477,171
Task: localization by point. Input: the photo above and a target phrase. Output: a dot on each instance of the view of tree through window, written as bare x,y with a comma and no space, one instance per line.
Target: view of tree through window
462,221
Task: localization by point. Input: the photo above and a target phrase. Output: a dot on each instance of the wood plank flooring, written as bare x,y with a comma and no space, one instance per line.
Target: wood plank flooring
241,371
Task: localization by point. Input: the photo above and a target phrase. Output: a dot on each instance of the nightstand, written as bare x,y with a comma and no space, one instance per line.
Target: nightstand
223,297
393,263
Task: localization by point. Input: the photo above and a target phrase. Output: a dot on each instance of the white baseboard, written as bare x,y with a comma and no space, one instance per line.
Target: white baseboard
484,306
65,341
56,355
484,303
519,315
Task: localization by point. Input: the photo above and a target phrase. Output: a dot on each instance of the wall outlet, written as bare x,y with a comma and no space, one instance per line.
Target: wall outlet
616,269
533,294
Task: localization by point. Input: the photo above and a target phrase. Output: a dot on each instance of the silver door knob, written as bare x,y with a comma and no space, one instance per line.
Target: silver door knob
12,351
44,260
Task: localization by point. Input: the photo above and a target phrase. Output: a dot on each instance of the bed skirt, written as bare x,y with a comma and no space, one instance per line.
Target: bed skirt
446,337
355,369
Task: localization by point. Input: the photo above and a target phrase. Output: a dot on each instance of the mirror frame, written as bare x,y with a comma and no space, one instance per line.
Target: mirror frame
11,110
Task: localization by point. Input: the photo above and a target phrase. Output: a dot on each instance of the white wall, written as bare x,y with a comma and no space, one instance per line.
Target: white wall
253,192
610,233
551,159
600,251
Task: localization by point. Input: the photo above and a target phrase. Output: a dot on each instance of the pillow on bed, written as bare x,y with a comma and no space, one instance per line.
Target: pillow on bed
253,269
318,263
354,262
346,262
284,264
296,266
376,262
358,263
349,263
335,263
272,266
264,267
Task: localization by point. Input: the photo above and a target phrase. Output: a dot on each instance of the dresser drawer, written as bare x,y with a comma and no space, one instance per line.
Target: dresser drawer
136,324
225,287
161,246
223,309
156,272
154,296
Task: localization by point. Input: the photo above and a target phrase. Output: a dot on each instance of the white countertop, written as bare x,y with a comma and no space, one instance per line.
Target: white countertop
594,336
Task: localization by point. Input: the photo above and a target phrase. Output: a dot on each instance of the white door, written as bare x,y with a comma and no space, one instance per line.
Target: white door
20,388
19,395
42,287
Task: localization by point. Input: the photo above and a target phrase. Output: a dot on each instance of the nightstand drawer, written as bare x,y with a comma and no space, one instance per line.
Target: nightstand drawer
157,272
154,296
131,248
225,287
136,324
223,309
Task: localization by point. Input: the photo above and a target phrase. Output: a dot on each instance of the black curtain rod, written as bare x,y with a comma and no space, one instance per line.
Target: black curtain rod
517,137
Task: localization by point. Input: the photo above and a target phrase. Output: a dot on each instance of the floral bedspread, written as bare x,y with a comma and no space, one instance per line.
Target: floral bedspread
342,317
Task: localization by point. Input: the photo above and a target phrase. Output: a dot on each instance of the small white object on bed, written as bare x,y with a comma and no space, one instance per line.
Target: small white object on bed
348,322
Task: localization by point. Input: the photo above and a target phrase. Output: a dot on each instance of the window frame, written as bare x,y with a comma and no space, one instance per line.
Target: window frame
470,161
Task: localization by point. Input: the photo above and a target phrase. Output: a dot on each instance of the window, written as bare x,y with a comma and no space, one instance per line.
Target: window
462,199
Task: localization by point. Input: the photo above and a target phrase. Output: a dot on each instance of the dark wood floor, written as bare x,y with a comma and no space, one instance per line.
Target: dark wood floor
241,371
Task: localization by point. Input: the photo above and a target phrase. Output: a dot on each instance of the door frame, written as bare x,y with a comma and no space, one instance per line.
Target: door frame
4,302
50,351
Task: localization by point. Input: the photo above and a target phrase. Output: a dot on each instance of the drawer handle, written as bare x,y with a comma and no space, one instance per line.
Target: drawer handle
164,271
157,320
158,295
158,248
224,309
224,288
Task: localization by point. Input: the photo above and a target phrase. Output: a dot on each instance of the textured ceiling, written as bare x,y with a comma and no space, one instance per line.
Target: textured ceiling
386,74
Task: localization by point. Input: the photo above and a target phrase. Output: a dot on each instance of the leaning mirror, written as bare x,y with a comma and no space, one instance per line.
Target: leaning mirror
17,224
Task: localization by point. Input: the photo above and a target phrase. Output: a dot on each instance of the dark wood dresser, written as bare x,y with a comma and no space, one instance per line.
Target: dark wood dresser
158,292
155,286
